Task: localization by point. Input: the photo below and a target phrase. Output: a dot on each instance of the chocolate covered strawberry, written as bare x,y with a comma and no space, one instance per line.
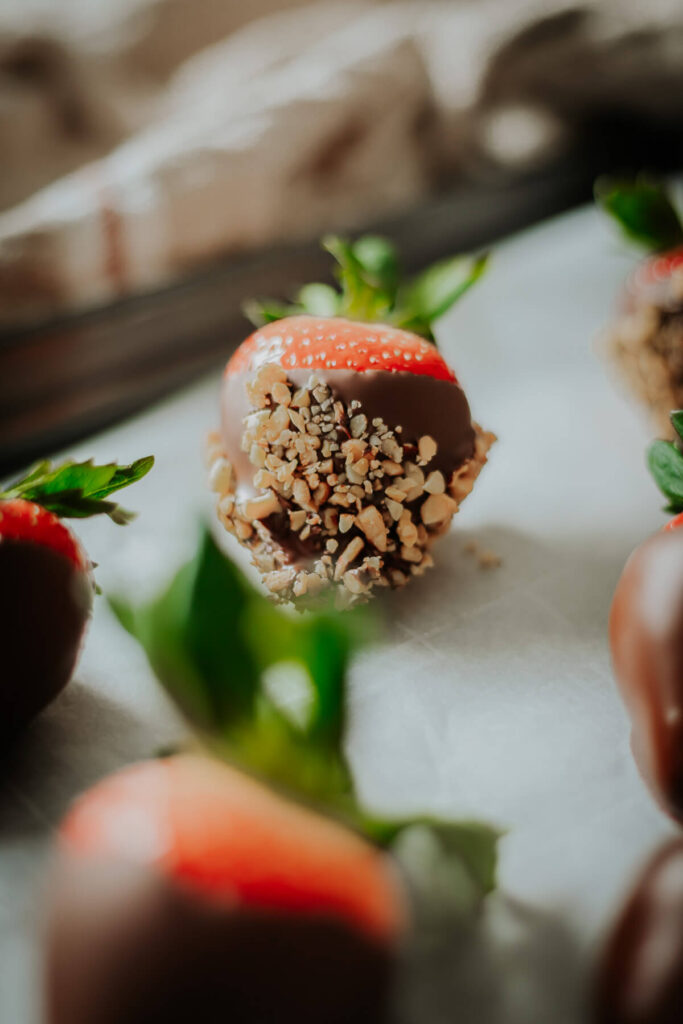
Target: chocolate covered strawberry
646,339
346,442
187,890
646,635
640,972
46,585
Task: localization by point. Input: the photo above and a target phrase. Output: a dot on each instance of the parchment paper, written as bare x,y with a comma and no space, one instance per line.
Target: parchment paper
493,697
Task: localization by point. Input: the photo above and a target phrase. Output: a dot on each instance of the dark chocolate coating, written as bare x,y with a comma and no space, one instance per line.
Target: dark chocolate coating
125,944
640,975
419,404
45,602
646,636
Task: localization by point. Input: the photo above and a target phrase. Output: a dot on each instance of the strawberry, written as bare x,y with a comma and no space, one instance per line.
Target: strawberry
186,887
24,521
646,639
646,339
640,970
354,399
231,899
46,587
214,829
308,343
675,523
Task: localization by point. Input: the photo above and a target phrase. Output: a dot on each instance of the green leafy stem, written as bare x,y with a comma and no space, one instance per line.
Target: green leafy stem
211,638
665,460
372,288
78,490
643,209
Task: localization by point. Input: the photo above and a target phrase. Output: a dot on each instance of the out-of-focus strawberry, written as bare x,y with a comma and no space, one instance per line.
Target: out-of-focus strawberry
186,890
46,585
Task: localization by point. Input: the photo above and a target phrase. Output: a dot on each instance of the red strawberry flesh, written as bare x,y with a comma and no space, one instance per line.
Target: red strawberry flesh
310,343
202,823
25,521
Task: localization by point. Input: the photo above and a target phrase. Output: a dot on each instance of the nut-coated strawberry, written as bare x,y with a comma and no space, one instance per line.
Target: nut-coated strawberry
346,443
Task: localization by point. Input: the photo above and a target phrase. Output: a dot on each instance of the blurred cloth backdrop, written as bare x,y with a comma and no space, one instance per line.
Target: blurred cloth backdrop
141,139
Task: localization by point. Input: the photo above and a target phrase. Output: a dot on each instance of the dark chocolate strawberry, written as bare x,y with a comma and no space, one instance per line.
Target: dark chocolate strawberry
646,635
346,441
46,585
646,339
186,890
640,972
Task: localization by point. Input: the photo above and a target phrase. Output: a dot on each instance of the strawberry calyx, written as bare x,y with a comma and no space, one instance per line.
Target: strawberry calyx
78,490
645,213
665,461
373,289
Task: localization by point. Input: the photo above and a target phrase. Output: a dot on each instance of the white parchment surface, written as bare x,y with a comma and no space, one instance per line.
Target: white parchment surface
494,697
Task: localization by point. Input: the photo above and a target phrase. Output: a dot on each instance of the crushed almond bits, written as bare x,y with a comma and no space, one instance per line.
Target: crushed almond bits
367,507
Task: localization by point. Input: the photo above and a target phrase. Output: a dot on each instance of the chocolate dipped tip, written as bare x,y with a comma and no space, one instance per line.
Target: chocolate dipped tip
342,478
126,944
640,971
45,603
646,638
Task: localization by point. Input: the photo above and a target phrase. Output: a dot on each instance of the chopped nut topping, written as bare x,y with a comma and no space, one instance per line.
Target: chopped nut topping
220,476
345,522
427,449
435,483
297,520
261,507
395,509
281,578
370,521
358,425
348,555
437,508
320,461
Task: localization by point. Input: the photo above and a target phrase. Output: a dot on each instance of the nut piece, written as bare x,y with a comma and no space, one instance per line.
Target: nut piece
220,476
280,393
346,521
370,521
407,531
435,483
427,448
261,507
262,384
279,579
437,508
358,425
348,555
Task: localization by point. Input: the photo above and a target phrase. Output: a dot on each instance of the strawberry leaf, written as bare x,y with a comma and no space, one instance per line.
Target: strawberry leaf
676,418
319,300
372,288
665,461
204,640
643,210
78,490
432,293
213,640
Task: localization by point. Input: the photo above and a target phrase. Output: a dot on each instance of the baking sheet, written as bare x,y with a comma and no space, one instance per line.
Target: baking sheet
493,696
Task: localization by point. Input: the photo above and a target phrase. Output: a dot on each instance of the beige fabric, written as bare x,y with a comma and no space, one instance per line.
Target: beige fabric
187,137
